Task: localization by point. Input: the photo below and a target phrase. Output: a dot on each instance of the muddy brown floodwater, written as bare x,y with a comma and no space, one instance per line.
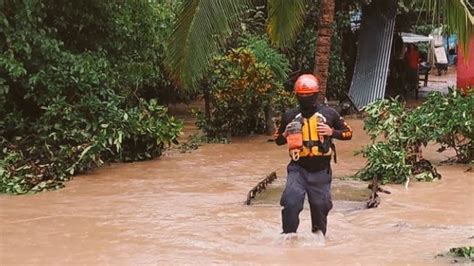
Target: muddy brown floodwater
189,209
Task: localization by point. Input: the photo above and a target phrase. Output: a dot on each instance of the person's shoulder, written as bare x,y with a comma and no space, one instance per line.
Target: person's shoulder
328,109
329,112
292,112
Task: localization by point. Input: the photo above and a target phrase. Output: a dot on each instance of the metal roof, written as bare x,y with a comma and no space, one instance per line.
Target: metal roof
373,53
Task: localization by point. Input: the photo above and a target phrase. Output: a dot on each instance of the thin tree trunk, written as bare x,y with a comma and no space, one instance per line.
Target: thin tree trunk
270,127
207,104
323,43
207,99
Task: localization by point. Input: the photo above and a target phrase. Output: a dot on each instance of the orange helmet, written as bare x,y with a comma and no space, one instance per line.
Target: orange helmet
306,84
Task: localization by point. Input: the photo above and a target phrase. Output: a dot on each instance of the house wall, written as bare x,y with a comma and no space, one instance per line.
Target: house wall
465,68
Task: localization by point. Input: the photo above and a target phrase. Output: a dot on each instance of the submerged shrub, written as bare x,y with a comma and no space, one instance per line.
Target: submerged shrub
79,90
242,90
451,121
398,136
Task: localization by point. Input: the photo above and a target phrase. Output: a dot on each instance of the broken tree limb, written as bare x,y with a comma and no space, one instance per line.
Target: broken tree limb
261,186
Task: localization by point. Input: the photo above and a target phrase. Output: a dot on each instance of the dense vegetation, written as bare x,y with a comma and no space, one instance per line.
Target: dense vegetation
83,83
80,85
237,107
463,252
245,85
86,82
399,135
240,90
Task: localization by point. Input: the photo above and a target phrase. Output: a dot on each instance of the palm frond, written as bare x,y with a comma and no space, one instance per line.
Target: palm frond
199,32
455,14
285,19
460,20
277,62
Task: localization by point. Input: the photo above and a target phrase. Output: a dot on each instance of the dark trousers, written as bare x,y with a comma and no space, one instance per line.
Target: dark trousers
412,79
317,185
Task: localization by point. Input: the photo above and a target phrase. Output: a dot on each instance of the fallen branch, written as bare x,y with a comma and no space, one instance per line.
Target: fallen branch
374,199
261,186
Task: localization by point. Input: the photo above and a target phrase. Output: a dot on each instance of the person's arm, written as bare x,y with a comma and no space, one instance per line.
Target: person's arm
278,136
340,130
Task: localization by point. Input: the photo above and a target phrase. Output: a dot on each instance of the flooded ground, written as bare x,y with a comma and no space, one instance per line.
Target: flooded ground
188,208
439,82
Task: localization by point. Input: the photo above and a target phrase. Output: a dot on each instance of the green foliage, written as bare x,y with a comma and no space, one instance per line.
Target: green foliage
387,158
387,162
423,29
384,118
19,175
301,56
69,140
337,81
73,81
266,54
463,252
455,14
398,135
282,100
301,53
285,20
449,120
241,90
199,34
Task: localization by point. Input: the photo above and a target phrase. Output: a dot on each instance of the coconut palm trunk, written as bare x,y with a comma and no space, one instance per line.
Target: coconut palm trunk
323,43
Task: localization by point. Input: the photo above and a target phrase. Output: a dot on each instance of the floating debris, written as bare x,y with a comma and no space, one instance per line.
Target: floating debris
261,186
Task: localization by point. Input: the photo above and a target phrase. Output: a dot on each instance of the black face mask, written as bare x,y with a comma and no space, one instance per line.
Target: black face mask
307,103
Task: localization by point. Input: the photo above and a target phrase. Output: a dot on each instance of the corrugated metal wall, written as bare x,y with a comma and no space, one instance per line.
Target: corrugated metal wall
373,55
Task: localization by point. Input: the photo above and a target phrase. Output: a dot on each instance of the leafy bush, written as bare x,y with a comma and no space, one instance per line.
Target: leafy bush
387,155
398,136
451,122
242,89
19,175
463,252
386,162
66,143
72,81
264,53
132,33
278,64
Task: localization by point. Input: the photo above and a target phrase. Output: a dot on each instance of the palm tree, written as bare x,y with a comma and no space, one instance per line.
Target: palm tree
323,43
285,21
457,15
203,25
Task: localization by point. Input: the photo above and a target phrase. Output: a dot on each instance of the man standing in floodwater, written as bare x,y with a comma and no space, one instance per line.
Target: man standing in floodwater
308,129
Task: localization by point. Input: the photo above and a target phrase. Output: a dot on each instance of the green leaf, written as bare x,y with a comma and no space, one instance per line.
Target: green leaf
84,152
198,34
285,20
